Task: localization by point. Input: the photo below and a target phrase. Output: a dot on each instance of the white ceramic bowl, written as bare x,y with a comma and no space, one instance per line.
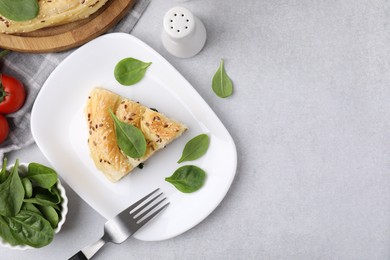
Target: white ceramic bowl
64,210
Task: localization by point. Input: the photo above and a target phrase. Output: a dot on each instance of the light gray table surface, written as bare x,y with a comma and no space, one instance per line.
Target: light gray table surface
310,116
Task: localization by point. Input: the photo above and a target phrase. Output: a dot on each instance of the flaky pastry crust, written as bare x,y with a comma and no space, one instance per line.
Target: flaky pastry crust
158,130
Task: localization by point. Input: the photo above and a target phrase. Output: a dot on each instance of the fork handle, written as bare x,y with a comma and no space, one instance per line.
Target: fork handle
78,256
89,251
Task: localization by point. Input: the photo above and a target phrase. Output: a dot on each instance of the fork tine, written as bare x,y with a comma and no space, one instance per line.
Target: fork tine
143,214
145,205
146,220
137,203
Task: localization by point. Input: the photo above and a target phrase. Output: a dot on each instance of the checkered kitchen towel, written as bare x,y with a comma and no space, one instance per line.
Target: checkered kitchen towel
33,70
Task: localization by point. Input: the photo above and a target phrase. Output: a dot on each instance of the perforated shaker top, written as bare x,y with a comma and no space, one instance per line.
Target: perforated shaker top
179,22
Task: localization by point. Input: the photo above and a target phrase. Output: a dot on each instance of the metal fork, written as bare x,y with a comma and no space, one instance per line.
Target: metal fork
125,224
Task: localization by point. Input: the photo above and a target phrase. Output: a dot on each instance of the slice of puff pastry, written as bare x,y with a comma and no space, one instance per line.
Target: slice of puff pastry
53,13
158,130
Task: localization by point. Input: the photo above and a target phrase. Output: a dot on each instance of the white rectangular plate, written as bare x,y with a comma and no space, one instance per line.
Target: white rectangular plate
60,130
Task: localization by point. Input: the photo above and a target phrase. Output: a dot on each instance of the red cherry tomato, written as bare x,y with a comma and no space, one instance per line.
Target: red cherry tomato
4,128
12,94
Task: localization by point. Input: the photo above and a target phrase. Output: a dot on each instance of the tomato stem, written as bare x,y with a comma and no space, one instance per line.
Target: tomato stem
2,91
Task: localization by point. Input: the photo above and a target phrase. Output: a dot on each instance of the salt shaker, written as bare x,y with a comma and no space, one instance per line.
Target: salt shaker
183,35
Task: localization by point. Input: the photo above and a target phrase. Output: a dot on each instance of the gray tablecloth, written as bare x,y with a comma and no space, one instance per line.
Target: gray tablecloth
33,70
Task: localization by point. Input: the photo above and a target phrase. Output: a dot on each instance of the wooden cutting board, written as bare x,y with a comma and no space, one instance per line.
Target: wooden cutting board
70,35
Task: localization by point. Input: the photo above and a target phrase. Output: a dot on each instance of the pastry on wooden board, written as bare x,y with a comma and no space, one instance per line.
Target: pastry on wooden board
52,13
157,129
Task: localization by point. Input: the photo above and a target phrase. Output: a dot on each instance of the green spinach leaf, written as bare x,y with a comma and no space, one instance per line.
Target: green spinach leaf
19,10
130,139
188,178
41,175
30,207
11,193
55,192
4,173
222,84
130,71
28,188
44,199
58,208
5,232
30,228
195,148
50,215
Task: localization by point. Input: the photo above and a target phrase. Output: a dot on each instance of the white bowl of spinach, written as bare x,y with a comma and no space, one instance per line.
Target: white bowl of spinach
33,205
